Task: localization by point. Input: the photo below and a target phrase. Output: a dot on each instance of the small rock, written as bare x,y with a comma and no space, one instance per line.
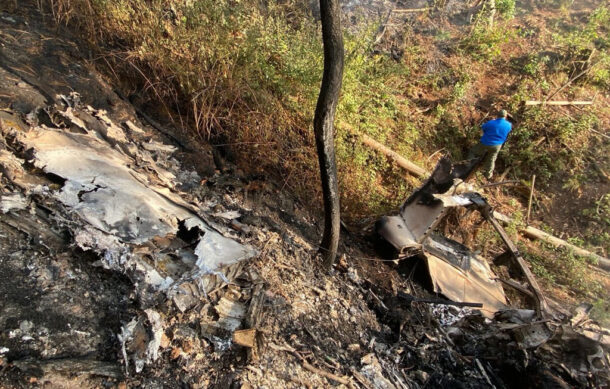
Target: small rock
422,376
176,352
381,348
368,359
334,314
352,274
26,326
164,341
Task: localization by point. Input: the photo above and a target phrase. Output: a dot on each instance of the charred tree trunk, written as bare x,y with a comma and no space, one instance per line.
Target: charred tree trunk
323,125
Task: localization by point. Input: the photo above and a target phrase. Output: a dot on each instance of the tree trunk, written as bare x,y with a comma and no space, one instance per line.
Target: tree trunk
492,13
323,125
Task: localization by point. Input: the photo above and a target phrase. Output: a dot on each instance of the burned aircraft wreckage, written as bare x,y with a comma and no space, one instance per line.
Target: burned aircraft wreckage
455,271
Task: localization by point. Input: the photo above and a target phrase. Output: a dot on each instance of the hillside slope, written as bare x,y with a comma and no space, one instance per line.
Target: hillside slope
70,316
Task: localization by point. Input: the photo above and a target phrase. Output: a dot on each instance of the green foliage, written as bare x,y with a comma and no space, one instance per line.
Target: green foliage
601,212
535,65
442,35
561,267
564,139
461,87
506,8
485,44
599,216
600,74
601,311
252,75
591,42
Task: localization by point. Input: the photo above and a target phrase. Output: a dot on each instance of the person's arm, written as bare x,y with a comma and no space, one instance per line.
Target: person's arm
485,126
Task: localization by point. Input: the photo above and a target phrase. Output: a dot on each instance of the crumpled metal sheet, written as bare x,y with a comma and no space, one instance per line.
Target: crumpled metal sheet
462,276
455,270
13,201
126,199
102,188
425,208
121,200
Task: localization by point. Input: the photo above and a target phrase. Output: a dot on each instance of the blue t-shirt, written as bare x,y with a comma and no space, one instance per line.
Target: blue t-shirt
495,132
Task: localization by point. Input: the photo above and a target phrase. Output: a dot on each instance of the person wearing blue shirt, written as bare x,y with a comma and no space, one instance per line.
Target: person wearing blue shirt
494,135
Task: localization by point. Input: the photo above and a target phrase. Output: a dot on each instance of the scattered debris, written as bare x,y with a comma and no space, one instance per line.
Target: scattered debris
123,204
183,306
13,201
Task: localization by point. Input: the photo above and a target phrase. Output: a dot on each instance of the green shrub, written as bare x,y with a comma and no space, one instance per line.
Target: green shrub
506,8
485,44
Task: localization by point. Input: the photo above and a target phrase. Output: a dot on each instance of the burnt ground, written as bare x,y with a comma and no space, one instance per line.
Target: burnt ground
60,313
55,304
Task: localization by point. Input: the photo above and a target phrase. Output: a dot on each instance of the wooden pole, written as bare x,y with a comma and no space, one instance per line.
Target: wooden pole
529,203
409,10
537,102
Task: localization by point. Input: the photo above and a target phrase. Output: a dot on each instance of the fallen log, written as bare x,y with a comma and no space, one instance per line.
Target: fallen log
535,233
539,102
409,10
531,232
399,159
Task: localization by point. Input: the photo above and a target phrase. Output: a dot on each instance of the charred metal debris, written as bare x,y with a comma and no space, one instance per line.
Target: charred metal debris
118,194
467,280
456,271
